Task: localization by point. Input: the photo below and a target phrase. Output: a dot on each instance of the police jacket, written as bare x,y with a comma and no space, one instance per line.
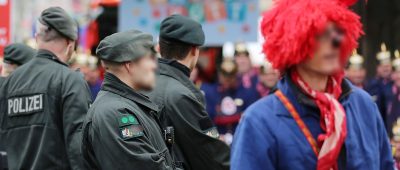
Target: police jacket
43,106
269,138
121,131
182,106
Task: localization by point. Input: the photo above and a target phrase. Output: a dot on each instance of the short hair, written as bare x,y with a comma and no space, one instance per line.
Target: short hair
171,49
46,33
110,65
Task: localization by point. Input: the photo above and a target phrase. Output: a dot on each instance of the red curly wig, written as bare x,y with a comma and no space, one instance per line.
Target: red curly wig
291,27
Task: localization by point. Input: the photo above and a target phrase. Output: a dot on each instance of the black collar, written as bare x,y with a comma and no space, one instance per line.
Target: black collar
114,85
49,55
177,65
304,99
173,72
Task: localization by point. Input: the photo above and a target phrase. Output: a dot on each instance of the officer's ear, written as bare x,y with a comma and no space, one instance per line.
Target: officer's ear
71,44
157,48
128,66
194,51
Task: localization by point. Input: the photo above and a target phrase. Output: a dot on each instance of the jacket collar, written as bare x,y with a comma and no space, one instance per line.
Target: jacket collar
298,98
49,55
185,70
173,72
114,85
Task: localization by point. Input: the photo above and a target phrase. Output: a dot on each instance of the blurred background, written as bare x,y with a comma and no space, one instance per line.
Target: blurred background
232,71
226,22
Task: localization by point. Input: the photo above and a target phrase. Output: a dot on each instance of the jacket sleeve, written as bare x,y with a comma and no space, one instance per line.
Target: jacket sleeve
386,158
196,135
75,104
253,146
114,151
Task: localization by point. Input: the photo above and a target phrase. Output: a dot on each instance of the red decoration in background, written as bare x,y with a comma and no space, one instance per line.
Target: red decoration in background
245,28
4,24
177,10
156,13
92,35
215,10
207,63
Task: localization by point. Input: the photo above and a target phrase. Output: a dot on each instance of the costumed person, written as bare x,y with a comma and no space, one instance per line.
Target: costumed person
380,87
393,115
268,77
246,72
88,65
355,70
16,55
316,119
395,140
394,111
227,99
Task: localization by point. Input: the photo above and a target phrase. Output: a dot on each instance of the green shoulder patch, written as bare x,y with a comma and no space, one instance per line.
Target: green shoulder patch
131,131
125,120
129,126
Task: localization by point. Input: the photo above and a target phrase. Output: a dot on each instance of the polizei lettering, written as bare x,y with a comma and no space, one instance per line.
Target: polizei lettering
25,104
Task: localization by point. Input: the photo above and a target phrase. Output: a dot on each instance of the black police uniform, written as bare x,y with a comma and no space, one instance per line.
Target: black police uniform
43,109
43,106
182,105
3,154
121,130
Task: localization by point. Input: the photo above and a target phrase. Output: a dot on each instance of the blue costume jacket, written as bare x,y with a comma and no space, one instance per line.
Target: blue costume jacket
381,92
240,97
268,137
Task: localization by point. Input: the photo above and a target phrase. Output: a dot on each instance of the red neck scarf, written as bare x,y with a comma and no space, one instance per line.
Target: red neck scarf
333,119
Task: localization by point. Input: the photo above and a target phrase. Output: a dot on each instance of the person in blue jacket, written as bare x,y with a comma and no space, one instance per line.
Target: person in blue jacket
380,87
315,119
393,118
227,99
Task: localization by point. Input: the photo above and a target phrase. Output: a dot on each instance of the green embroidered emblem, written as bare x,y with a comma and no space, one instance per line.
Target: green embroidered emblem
132,131
132,119
124,120
127,119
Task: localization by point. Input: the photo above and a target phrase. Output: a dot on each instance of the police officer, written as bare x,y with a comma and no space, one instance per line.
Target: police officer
121,130
182,105
16,55
44,102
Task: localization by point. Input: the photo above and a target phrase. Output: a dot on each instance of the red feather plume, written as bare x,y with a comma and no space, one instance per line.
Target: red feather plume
291,26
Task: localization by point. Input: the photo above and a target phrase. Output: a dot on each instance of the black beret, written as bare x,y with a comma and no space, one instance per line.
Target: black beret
183,29
58,19
125,46
18,54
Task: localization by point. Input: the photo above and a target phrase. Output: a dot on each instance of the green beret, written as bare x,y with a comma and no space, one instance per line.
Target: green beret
18,54
125,46
183,29
59,20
